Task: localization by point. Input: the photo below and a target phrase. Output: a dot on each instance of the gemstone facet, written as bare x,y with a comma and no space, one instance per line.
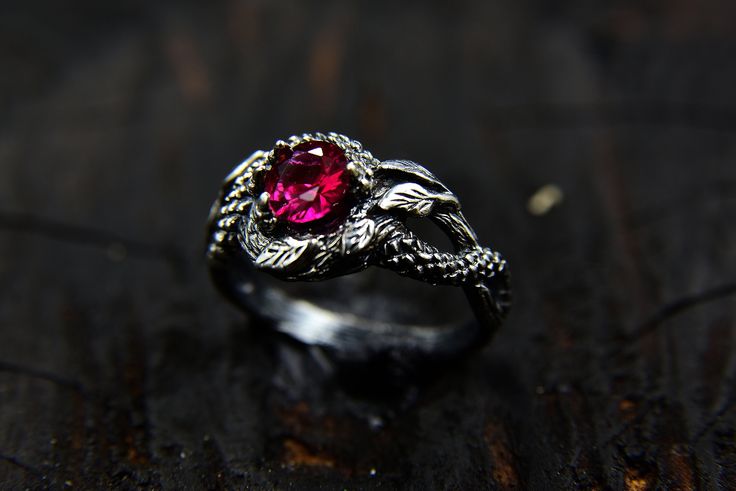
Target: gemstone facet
308,182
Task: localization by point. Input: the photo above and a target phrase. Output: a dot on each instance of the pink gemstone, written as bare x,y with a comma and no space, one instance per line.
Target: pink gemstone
307,182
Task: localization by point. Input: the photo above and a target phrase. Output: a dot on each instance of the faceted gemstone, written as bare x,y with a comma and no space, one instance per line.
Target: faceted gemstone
308,182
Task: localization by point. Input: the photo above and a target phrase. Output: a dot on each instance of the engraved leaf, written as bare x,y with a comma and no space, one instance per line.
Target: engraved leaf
281,254
413,169
413,198
358,235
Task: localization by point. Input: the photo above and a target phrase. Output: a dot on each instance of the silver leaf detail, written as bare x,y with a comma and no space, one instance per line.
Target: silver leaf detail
358,235
413,198
281,254
412,169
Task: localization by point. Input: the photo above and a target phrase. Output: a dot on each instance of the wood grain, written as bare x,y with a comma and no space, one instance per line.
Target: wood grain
121,368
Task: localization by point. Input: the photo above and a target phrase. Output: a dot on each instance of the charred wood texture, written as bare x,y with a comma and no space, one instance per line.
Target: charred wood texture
593,144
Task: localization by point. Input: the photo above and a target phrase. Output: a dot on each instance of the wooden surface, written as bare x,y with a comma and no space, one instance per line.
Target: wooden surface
120,367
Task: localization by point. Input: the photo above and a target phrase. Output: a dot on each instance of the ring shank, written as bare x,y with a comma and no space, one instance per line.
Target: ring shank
348,336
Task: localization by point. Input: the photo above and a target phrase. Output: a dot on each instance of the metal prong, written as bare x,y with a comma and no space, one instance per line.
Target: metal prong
262,202
263,213
280,144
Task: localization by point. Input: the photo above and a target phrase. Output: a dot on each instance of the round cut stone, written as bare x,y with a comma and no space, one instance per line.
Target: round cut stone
308,182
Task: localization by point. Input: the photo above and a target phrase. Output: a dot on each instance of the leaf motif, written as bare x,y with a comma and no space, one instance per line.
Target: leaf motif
281,254
413,169
358,235
413,198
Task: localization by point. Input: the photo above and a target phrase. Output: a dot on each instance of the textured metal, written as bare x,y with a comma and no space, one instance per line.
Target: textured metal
244,237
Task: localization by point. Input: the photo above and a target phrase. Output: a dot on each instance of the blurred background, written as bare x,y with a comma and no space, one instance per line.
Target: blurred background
591,142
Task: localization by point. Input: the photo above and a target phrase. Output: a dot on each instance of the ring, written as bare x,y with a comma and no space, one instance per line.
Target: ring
319,206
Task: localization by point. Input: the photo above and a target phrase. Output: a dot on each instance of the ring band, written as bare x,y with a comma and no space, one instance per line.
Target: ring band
319,206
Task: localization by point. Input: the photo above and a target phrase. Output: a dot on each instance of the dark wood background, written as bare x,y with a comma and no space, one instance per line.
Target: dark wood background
121,367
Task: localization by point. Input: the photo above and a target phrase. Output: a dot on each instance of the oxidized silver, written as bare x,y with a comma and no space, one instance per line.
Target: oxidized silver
244,240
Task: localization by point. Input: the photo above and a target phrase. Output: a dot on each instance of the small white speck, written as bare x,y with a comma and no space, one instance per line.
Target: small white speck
375,423
373,472
183,455
544,199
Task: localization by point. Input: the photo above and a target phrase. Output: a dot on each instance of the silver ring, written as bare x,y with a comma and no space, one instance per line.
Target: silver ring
319,206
